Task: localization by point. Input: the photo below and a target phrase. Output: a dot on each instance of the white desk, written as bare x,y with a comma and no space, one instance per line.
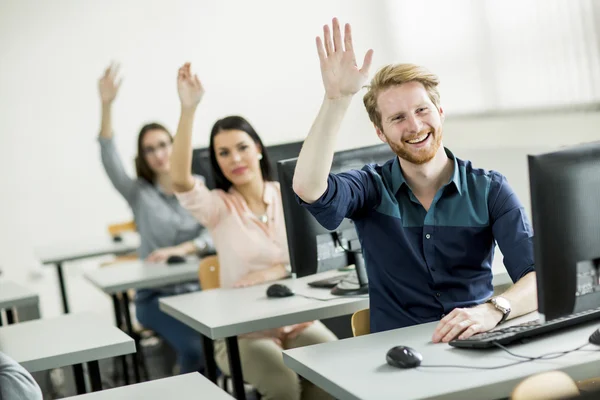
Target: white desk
355,368
58,253
13,295
118,279
222,313
142,275
191,386
66,340
227,313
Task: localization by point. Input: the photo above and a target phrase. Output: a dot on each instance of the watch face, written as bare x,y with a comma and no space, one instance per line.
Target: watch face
502,303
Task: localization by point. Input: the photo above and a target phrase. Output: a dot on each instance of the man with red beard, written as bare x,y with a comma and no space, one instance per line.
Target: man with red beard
427,220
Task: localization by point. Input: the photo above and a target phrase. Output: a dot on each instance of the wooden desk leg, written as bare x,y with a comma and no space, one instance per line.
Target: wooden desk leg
94,373
79,379
235,365
210,366
119,322
63,289
134,356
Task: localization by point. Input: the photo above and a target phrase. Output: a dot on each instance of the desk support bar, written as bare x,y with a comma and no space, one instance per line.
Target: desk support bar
63,289
79,378
94,373
119,323
210,366
134,336
235,366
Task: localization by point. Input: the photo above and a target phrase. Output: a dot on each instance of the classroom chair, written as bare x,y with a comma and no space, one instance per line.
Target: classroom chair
115,231
208,273
361,323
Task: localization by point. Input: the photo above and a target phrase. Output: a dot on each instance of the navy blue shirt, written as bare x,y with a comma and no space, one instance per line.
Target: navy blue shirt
423,264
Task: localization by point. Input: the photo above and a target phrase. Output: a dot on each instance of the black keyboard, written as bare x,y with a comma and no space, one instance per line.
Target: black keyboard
523,331
328,283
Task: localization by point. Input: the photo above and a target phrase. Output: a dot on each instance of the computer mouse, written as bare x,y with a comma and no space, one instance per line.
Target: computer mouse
175,259
595,338
279,290
403,357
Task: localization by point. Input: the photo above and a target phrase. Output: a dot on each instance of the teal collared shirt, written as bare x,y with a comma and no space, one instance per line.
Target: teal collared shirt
424,263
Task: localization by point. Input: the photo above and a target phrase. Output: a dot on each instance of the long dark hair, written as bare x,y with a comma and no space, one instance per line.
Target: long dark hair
235,122
142,168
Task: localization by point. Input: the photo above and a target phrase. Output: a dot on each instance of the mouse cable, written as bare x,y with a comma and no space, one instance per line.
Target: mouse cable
364,296
548,356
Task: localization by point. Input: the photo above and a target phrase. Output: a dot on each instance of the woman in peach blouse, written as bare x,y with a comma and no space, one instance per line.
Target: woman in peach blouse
245,218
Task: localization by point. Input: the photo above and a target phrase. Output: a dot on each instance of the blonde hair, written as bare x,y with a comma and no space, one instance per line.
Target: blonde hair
395,75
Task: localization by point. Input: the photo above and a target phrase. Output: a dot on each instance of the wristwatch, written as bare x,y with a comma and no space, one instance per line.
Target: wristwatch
502,305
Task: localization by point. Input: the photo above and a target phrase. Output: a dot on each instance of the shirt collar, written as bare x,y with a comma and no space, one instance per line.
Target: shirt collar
398,177
268,193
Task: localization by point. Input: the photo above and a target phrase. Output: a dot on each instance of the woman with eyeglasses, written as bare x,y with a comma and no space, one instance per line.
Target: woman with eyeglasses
165,227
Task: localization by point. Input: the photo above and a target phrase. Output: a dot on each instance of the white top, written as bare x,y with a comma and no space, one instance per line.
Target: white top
356,368
85,248
65,340
138,274
15,295
192,386
221,313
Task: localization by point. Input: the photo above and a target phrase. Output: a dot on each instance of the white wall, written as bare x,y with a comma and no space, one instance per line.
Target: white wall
255,58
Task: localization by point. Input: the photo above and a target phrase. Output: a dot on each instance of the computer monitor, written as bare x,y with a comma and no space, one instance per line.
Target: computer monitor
201,166
312,247
565,202
201,160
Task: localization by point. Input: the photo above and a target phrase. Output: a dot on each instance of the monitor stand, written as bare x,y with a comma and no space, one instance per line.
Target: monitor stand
356,282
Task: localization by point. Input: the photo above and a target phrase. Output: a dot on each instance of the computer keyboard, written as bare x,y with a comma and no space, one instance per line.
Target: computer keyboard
328,283
523,331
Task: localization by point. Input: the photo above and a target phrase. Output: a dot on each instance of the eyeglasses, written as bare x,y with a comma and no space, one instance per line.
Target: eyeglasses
149,150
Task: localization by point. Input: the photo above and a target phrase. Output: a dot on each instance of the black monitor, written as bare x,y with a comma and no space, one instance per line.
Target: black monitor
201,160
312,247
565,202
201,166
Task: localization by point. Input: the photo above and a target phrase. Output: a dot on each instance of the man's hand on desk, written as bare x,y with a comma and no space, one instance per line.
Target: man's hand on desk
463,323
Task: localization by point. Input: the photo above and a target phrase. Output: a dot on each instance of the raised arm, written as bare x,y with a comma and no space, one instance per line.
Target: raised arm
108,87
190,93
342,79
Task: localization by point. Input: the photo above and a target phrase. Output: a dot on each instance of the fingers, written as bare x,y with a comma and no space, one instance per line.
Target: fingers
348,38
114,71
471,330
327,39
457,329
443,327
321,50
337,35
367,62
197,82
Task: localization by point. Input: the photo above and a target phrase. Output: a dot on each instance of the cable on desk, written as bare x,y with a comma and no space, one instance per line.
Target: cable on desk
547,356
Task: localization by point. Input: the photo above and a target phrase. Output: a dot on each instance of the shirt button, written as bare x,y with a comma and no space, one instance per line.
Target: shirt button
438,294
427,236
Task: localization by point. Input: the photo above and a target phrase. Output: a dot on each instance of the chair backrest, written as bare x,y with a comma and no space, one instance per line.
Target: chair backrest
545,386
208,273
117,229
361,323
